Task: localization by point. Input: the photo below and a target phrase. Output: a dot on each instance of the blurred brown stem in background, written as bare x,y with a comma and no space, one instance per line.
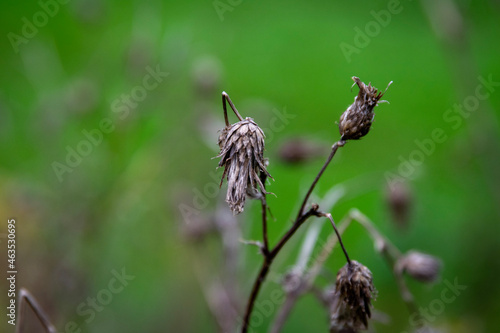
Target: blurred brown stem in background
26,297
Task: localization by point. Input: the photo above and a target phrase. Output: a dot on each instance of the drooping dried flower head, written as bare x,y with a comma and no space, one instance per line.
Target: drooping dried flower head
354,291
356,121
242,156
420,266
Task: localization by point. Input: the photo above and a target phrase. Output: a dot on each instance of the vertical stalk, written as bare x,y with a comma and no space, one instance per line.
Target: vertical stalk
337,144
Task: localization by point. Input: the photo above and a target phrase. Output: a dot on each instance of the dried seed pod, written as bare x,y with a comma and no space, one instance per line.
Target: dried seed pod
356,121
242,156
420,266
354,291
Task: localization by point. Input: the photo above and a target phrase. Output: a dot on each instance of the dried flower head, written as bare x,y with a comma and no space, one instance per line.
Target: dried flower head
356,121
354,291
420,266
242,156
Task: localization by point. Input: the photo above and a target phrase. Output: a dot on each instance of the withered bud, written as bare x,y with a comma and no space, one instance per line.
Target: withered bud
356,121
354,291
241,152
420,266
399,200
299,150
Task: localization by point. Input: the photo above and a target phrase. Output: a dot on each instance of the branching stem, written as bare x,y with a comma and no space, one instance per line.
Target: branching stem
26,297
329,216
269,255
266,264
337,144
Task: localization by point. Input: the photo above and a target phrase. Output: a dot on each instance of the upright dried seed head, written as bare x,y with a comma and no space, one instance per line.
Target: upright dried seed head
354,291
420,266
356,121
242,156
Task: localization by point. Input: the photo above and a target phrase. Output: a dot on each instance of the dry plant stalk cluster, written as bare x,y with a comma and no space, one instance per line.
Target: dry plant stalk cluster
349,299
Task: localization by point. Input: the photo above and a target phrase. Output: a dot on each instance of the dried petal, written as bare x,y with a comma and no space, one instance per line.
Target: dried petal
356,121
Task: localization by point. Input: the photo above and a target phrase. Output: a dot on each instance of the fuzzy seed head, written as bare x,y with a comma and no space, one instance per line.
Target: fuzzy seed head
242,156
354,291
420,266
356,121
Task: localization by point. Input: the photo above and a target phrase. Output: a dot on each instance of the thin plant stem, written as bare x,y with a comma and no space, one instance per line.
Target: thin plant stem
268,259
26,297
327,250
308,280
337,144
284,312
329,216
298,222
225,97
392,252
300,219
255,291
389,252
263,201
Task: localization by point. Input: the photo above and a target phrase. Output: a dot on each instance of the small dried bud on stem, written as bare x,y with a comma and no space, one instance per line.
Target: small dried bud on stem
354,291
356,121
242,156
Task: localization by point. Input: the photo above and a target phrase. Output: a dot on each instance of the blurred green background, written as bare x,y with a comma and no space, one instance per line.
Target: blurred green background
120,206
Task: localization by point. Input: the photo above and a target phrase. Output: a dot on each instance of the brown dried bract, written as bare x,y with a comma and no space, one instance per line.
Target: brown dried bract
356,121
354,291
242,156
